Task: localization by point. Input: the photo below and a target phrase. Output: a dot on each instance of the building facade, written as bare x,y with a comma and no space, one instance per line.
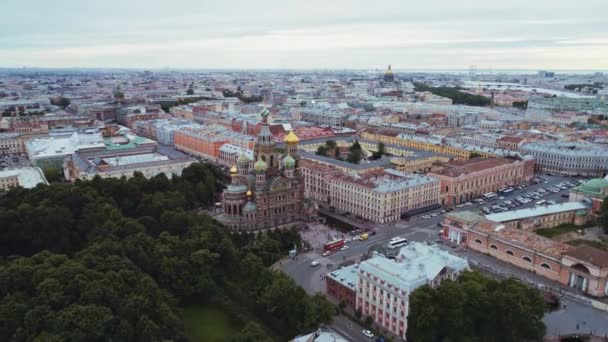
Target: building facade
463,180
384,285
568,158
582,268
383,196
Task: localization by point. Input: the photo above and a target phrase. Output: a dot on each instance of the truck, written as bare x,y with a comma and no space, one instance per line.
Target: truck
363,236
333,245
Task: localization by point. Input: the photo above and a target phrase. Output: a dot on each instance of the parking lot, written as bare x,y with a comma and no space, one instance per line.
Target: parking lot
545,190
9,161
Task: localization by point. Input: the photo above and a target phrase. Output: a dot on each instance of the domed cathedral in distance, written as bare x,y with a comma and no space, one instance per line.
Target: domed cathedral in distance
269,195
388,75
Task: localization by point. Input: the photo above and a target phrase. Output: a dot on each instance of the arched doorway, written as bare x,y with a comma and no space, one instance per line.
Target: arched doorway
579,277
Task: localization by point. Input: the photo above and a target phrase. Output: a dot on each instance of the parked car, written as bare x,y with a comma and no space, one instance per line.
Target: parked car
315,263
368,333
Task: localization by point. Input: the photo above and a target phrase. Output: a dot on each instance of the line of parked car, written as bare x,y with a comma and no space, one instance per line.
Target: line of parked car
529,197
435,213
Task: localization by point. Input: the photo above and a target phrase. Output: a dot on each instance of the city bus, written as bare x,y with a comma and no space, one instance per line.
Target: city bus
333,245
397,242
489,195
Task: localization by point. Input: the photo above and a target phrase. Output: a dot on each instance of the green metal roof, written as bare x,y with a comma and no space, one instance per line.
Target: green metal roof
593,187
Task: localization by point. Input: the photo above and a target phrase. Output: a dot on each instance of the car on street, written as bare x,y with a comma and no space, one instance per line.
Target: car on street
551,202
344,248
434,214
315,263
368,333
426,217
326,253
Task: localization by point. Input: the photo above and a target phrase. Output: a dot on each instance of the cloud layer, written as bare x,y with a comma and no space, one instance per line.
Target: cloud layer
305,34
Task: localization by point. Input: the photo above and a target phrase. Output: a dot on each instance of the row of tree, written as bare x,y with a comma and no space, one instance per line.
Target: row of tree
476,308
116,259
456,94
239,94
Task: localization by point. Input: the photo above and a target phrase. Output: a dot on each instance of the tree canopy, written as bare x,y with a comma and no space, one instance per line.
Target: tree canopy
116,259
454,93
476,308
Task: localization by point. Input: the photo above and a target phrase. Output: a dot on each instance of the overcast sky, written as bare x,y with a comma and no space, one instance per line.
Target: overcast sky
328,34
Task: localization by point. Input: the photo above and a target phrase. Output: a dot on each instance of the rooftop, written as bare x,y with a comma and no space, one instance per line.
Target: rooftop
28,177
535,211
458,168
386,180
347,276
415,265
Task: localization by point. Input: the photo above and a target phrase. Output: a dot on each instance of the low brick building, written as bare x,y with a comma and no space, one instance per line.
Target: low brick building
341,284
583,268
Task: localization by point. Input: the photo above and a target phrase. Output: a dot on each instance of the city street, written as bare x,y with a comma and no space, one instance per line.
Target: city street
421,229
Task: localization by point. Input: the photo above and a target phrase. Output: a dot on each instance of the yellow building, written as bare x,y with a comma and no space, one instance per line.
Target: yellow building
457,153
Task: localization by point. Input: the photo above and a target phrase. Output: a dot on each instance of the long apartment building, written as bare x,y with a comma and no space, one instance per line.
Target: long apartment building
383,196
206,141
375,194
463,180
432,144
568,158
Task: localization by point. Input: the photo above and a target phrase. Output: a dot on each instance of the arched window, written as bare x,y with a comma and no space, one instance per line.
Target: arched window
478,241
580,268
510,252
493,247
272,161
527,259
545,265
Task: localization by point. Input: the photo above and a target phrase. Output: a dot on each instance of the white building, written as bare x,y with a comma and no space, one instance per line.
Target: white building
568,158
385,285
26,177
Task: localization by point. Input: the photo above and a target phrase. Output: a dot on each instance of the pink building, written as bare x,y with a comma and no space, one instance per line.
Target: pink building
463,180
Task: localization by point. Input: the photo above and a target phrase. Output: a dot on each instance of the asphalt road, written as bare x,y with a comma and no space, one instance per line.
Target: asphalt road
420,229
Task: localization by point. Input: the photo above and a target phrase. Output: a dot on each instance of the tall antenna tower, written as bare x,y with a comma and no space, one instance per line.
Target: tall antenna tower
472,71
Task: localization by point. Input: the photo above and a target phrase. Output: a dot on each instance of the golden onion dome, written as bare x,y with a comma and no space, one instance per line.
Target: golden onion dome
260,166
291,138
249,193
233,169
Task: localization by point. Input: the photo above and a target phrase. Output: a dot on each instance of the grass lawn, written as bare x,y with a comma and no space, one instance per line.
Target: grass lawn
559,230
208,324
597,244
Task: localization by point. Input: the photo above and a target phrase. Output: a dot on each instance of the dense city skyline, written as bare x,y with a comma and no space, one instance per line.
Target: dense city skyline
306,35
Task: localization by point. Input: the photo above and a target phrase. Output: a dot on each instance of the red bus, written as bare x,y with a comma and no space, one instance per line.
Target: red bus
333,245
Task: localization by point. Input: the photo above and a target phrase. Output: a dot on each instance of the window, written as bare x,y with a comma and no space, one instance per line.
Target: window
493,247
544,265
478,241
509,252
527,259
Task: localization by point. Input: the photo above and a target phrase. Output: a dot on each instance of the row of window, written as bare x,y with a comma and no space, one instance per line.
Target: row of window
509,252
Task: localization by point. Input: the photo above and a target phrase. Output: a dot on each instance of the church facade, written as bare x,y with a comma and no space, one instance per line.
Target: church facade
269,194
